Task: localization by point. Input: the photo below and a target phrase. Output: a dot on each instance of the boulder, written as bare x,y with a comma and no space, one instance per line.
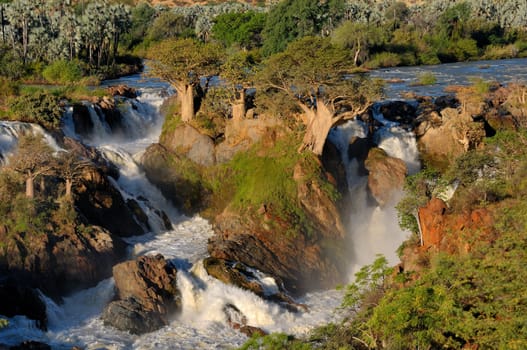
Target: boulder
187,141
242,276
122,90
130,316
237,320
399,111
449,134
262,240
301,258
241,134
386,175
21,300
62,260
147,295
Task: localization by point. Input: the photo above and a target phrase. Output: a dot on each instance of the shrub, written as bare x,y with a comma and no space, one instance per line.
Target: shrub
41,107
63,72
384,59
426,78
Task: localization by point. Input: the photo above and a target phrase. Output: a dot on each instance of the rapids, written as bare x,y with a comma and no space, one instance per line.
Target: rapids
201,324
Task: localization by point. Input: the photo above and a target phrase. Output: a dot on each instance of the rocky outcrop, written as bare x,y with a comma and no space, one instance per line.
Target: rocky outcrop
453,232
399,111
62,260
240,275
21,300
176,177
187,141
262,240
122,90
386,175
241,134
147,295
237,320
101,204
447,134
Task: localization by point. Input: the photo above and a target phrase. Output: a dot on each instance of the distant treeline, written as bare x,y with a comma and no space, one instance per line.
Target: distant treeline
380,33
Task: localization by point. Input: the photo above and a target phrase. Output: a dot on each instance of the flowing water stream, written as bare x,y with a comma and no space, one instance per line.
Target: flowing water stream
202,321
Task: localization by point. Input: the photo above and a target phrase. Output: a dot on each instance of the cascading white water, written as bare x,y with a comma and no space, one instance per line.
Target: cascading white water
374,230
11,131
202,322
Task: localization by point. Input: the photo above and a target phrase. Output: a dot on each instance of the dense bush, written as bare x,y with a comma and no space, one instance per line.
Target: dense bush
40,107
63,72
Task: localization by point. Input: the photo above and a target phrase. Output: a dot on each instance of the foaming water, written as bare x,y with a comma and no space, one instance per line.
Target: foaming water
373,229
11,131
207,303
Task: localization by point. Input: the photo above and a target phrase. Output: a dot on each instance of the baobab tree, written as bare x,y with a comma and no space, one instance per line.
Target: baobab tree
32,159
183,63
70,167
314,74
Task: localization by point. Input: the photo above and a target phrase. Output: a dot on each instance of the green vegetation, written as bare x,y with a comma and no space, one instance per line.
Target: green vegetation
3,323
41,108
268,180
275,341
475,298
63,72
426,78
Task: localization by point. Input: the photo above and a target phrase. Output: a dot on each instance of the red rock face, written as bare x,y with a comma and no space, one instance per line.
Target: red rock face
455,232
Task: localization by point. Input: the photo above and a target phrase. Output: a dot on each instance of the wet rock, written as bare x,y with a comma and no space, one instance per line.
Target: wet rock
130,316
138,212
81,120
62,260
242,276
31,345
171,174
386,175
237,320
332,162
122,90
147,293
399,111
111,115
251,331
102,204
21,300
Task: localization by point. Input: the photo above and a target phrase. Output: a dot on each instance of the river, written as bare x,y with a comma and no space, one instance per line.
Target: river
202,322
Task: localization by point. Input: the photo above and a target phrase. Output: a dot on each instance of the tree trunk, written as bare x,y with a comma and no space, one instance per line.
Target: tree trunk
69,185
186,98
320,122
42,185
30,186
238,107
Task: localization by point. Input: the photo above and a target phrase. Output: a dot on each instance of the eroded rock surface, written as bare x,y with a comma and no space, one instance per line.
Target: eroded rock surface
147,295
386,175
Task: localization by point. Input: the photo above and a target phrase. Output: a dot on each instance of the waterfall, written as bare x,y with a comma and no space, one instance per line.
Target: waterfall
207,303
11,131
373,230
